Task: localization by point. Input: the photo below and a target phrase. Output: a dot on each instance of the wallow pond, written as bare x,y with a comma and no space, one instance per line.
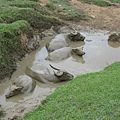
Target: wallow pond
99,54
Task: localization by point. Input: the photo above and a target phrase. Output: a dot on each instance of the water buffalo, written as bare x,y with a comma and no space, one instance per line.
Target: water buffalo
42,66
56,43
23,84
63,53
60,75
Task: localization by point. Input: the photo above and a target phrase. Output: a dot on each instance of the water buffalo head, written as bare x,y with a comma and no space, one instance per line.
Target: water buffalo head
76,36
23,84
62,75
14,90
78,51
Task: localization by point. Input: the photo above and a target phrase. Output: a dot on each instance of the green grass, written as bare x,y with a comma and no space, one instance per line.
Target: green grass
35,19
115,1
2,113
64,10
19,17
9,42
14,29
18,3
101,3
24,4
94,96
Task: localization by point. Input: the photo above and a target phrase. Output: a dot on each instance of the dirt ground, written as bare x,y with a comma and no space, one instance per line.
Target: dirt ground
105,18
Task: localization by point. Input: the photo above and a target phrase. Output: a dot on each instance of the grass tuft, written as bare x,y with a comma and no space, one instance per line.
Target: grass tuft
9,42
100,3
19,17
115,1
2,113
64,10
35,19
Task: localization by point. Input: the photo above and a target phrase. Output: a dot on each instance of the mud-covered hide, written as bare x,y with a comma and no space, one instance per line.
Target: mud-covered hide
115,37
42,66
58,42
63,53
59,54
76,36
57,76
78,51
23,84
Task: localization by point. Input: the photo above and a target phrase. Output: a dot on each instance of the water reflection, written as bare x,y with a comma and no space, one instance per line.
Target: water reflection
114,44
75,44
78,59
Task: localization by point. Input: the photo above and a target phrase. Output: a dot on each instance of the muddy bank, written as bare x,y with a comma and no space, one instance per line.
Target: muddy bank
105,18
27,41
99,54
20,22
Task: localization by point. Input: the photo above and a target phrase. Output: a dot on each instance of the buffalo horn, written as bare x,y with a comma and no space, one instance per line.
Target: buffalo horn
53,67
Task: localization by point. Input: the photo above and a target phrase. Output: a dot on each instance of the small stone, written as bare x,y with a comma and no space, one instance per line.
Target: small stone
92,16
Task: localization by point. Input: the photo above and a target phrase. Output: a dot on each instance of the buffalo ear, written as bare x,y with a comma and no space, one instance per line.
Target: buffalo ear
58,74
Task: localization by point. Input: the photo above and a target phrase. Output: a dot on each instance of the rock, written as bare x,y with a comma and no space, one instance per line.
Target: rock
76,36
49,32
92,16
114,37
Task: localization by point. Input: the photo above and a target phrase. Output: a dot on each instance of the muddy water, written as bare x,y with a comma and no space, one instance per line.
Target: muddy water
99,54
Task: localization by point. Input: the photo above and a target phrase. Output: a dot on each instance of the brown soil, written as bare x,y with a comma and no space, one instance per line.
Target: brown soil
105,18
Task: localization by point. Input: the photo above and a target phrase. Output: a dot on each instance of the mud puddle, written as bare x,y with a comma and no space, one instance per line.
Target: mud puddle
99,54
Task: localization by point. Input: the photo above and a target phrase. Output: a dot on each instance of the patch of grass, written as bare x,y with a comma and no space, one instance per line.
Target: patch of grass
19,17
101,3
115,1
30,4
35,19
93,96
9,42
15,29
25,4
64,10
2,113
18,3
